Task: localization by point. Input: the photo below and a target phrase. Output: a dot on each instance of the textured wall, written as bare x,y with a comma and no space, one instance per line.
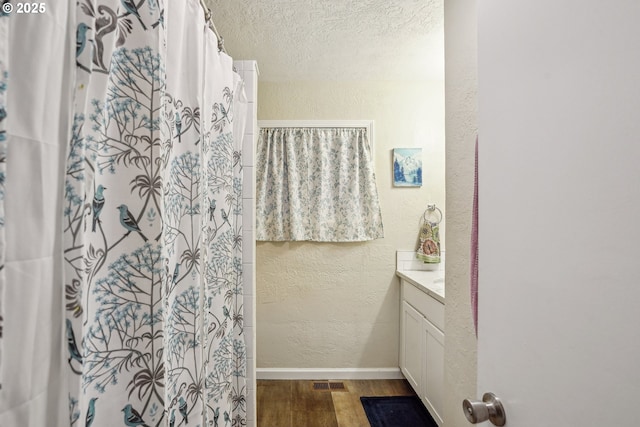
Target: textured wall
461,128
316,40
325,305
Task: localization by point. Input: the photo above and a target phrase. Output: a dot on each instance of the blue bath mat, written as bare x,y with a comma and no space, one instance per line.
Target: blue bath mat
397,411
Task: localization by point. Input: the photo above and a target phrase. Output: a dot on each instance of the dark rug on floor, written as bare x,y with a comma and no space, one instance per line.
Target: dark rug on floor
397,411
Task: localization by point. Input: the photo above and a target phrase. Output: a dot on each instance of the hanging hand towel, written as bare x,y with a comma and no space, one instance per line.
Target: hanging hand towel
429,242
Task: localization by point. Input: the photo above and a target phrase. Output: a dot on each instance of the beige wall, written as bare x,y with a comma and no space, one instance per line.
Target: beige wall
324,305
461,128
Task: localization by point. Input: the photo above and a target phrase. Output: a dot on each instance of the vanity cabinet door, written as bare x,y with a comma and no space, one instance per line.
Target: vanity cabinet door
411,346
433,370
422,347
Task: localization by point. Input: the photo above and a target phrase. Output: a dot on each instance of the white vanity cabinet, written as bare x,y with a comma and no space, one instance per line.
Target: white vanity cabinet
422,346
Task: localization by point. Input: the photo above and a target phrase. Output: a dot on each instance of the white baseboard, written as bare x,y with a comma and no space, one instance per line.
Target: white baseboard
328,374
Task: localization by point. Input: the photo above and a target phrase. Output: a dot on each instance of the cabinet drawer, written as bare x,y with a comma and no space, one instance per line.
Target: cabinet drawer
429,307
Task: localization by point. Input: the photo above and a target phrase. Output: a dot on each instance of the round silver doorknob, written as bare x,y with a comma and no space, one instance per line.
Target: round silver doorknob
489,409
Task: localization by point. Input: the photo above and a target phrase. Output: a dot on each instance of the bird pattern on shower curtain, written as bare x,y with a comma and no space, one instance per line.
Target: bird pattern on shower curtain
152,222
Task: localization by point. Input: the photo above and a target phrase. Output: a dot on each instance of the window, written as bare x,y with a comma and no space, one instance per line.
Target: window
316,182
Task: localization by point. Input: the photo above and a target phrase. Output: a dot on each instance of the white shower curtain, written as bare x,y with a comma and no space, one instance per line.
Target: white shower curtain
151,225
38,56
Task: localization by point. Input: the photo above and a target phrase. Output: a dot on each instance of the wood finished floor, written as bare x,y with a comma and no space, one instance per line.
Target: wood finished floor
286,403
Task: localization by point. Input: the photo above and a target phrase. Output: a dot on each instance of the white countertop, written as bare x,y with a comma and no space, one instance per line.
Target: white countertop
430,282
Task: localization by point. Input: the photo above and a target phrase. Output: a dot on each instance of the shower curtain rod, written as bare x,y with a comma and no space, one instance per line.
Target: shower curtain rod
208,16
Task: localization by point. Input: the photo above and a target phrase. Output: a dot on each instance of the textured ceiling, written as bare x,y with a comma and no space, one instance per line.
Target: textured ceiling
335,39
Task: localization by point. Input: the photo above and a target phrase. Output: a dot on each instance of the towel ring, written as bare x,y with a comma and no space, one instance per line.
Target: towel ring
431,209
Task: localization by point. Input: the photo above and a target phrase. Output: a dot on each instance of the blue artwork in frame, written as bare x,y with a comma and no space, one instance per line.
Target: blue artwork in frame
407,167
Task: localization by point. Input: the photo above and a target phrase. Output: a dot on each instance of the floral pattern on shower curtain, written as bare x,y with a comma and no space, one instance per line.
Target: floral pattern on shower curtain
152,222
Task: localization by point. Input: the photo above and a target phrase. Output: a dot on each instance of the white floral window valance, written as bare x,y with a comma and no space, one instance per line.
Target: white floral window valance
316,184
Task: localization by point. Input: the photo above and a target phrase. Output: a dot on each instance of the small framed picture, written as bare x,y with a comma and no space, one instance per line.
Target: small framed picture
407,167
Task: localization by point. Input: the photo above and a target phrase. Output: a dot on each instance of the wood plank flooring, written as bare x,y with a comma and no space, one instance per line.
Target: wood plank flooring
284,403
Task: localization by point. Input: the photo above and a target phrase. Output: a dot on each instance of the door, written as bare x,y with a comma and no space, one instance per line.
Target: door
433,369
411,354
559,291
